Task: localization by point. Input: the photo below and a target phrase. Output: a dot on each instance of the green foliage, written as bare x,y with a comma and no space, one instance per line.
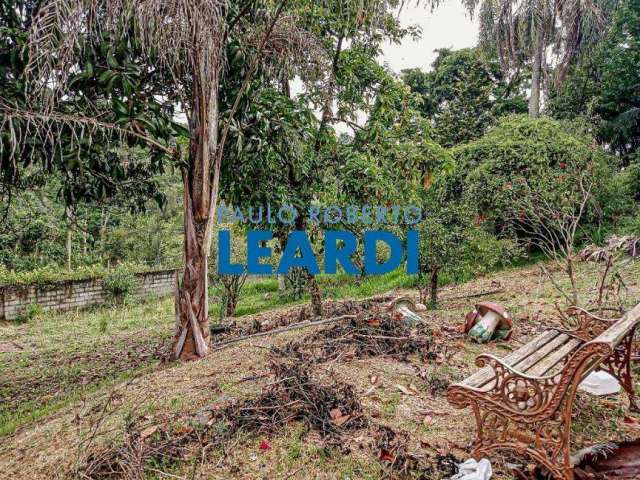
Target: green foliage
605,85
485,253
518,152
119,283
90,167
464,94
51,274
29,313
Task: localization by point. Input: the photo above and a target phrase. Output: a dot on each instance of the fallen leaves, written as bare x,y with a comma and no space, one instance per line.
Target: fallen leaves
411,389
386,456
373,322
147,432
338,418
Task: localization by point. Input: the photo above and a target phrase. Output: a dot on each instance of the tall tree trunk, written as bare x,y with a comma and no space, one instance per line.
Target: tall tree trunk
192,337
315,293
434,286
536,75
67,213
312,284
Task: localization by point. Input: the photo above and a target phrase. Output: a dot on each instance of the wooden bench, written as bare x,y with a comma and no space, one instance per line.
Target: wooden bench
523,402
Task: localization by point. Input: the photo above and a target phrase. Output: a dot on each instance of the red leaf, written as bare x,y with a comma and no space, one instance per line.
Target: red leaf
385,456
264,445
373,322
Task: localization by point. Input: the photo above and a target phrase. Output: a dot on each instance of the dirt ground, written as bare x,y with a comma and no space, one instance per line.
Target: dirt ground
170,419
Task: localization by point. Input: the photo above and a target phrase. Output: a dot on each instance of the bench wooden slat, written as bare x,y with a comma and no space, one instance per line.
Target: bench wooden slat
550,361
486,374
539,356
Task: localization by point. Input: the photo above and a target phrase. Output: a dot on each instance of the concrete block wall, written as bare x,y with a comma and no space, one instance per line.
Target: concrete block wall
76,294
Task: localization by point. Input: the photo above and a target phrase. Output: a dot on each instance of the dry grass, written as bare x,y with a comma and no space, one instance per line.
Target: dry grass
406,395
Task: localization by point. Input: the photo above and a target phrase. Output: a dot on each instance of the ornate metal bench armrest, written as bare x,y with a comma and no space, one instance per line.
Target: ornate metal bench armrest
621,328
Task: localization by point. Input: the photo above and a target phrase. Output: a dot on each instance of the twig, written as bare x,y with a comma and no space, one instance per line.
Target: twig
382,337
602,283
294,326
472,295
165,474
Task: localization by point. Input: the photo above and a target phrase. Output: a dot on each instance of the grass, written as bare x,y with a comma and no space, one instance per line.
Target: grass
70,355
75,356
261,294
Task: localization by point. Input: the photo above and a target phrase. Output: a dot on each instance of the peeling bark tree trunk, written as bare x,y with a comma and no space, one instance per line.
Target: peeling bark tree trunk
434,286
192,337
536,75
316,295
312,284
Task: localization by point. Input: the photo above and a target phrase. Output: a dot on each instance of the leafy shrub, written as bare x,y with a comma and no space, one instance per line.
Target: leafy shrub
119,283
53,273
484,253
520,150
29,313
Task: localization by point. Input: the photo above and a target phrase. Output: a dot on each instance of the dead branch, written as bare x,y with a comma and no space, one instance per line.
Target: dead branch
473,295
275,331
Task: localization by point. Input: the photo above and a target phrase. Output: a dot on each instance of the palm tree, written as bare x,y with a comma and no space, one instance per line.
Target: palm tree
521,31
186,41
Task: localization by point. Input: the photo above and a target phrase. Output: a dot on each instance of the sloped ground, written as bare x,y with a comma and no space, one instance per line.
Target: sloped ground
148,417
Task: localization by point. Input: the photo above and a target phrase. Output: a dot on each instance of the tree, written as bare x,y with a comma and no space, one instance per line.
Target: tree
521,32
185,42
604,87
551,219
464,94
284,146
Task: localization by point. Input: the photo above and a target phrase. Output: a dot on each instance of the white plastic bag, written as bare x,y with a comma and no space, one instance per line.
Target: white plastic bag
472,470
600,383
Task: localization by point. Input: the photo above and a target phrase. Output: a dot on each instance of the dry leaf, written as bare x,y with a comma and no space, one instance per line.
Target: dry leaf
339,421
335,413
182,430
264,445
374,379
427,420
425,444
369,391
373,322
147,432
404,389
386,456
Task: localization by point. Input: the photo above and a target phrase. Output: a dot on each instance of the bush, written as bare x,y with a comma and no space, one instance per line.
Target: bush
493,169
119,283
32,311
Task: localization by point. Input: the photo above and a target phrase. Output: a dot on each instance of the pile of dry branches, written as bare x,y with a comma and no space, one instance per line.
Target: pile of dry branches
329,408
397,458
140,449
295,396
270,321
372,334
626,244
